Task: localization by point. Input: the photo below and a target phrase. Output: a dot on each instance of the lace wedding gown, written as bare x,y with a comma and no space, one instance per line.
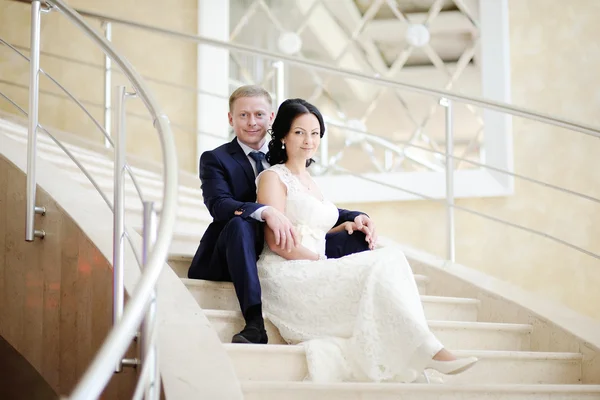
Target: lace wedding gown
359,317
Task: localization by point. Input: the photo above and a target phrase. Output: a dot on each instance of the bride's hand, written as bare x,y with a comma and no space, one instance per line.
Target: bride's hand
350,227
285,234
367,226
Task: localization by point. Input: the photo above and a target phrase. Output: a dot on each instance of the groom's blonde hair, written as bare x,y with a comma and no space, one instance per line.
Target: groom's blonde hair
249,91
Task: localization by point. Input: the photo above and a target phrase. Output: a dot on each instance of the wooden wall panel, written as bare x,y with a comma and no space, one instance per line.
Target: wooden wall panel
3,244
55,293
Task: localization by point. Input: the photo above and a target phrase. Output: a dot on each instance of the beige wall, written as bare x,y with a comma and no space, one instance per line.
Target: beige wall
153,56
555,59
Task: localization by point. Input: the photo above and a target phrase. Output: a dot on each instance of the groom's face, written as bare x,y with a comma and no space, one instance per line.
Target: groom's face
250,118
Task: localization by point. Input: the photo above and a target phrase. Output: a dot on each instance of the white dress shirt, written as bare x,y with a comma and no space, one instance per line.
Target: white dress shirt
247,150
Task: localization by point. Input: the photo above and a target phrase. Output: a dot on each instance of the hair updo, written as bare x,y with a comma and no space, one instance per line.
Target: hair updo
288,111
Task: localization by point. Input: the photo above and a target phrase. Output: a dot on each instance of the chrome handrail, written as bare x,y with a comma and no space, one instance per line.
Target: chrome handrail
468,210
79,103
154,254
67,152
34,84
81,167
370,136
472,100
120,337
377,139
147,78
373,137
346,73
416,194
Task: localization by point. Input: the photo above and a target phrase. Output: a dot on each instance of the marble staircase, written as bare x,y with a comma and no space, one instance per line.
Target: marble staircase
509,368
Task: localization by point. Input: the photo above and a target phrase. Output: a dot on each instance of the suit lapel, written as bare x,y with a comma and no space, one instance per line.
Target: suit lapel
238,155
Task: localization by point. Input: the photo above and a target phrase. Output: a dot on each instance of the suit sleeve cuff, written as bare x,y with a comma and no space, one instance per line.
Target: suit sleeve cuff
257,215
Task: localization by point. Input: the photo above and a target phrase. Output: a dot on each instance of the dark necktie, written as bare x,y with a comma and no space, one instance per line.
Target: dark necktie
258,157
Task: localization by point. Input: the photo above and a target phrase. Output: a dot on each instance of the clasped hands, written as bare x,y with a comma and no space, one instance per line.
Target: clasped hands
287,238
364,224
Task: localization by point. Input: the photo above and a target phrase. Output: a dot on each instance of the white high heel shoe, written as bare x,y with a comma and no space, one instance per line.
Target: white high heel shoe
452,367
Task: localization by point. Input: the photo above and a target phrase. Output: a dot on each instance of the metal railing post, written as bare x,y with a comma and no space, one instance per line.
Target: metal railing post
119,207
149,329
107,84
451,249
279,82
324,150
34,85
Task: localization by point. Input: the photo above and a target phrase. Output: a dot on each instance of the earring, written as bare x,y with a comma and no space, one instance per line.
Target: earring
282,146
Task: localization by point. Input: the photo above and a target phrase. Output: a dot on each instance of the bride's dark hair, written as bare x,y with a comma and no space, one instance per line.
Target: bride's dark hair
288,111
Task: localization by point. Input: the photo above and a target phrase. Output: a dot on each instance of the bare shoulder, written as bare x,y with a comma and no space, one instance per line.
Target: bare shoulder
270,179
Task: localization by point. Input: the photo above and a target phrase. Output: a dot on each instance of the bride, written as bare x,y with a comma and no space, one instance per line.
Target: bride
359,317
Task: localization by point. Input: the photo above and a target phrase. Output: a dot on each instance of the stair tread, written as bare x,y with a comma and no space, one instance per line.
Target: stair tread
201,283
445,388
228,286
487,354
523,328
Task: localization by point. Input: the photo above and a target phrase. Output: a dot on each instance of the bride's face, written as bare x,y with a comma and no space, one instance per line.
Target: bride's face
304,137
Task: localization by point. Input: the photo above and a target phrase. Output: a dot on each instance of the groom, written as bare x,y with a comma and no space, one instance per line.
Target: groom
231,244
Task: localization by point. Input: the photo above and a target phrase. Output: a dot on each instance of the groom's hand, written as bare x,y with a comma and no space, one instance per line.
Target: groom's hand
367,226
285,234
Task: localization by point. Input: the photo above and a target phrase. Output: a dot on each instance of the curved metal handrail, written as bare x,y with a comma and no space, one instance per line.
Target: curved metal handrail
473,100
82,108
68,153
118,340
470,211
145,77
99,105
503,107
373,137
378,139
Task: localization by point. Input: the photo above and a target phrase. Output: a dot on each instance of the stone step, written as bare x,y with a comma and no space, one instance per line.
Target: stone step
191,214
96,163
180,262
46,145
182,251
149,192
267,390
453,334
221,296
186,196
288,363
180,265
101,167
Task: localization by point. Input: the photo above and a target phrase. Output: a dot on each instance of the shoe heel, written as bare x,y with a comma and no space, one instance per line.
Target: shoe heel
452,367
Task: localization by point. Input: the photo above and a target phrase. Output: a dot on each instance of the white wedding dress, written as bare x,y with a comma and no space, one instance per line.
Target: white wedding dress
359,317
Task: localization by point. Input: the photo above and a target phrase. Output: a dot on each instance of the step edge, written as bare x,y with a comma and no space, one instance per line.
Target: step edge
483,354
523,328
202,283
445,388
